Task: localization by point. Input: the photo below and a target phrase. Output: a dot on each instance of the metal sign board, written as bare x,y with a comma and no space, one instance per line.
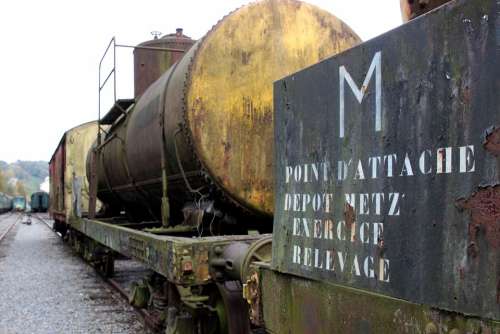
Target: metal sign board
387,164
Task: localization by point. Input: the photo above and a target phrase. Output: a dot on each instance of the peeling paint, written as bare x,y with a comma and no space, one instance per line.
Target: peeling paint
484,206
350,218
492,141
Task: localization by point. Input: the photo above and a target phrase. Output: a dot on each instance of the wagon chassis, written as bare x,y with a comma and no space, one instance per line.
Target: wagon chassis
202,276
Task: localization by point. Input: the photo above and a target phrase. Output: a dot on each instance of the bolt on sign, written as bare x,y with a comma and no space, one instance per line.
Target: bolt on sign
387,164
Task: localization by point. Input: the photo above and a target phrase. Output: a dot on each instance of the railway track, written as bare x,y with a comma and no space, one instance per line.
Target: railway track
42,218
6,215
5,229
117,283
87,305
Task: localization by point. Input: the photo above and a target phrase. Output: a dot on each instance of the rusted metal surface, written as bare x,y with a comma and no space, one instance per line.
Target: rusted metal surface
492,141
180,260
211,113
411,9
56,176
294,305
68,178
484,206
230,121
252,293
236,307
387,172
150,62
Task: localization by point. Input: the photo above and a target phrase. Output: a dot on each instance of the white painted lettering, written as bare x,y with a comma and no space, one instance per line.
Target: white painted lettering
364,201
306,200
318,261
377,198
343,168
374,162
341,230
288,173
407,169
422,162
364,232
391,161
355,266
368,267
296,227
359,93
378,232
384,270
467,163
360,174
394,207
328,229
443,160
296,254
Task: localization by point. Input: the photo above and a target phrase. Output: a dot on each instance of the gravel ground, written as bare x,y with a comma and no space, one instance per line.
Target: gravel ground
45,288
6,221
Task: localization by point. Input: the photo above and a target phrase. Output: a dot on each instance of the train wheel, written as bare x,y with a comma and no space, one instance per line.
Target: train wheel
193,310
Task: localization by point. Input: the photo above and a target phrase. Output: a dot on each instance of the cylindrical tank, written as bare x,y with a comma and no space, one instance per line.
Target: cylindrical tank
410,9
212,112
150,64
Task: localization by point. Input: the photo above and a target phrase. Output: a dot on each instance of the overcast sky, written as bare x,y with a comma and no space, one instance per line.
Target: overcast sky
50,52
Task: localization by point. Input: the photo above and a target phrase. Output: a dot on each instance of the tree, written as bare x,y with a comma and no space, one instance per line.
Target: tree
20,191
10,189
3,184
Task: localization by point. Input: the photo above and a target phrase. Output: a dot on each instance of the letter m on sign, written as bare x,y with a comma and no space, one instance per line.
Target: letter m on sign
359,93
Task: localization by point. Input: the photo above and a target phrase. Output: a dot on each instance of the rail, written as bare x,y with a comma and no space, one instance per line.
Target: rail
4,233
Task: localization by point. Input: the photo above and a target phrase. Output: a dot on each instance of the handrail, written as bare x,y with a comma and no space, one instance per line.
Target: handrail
106,80
112,74
112,42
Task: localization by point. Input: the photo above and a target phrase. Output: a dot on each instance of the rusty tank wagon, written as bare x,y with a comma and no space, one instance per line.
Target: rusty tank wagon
375,167
206,123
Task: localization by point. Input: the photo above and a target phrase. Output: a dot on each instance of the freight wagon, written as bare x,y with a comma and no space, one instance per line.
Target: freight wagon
375,168
19,203
67,174
5,203
39,201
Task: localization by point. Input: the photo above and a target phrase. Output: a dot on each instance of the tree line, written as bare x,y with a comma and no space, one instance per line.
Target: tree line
11,189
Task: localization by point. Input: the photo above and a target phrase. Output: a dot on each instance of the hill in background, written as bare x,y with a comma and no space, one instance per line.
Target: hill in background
23,177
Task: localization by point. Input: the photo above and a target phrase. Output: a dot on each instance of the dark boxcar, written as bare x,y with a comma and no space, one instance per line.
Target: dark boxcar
387,164
39,201
5,203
